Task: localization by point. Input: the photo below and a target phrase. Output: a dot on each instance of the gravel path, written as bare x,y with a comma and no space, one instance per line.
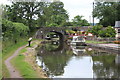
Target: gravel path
13,72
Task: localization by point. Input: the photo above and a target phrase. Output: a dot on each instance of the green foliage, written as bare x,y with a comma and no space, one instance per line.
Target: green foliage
54,15
37,14
8,49
107,12
52,25
102,31
108,32
12,30
25,69
20,28
95,29
78,21
24,12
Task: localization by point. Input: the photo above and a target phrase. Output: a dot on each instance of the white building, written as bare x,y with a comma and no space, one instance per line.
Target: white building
117,28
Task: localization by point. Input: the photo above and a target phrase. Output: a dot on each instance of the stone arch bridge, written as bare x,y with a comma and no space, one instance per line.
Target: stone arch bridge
42,32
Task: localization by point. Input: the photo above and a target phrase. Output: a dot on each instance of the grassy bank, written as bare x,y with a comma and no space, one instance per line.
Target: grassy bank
23,67
8,51
9,47
95,42
25,62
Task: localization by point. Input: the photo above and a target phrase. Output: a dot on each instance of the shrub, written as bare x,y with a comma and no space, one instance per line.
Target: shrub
12,30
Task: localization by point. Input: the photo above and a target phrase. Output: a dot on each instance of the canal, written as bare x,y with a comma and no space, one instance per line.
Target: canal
60,60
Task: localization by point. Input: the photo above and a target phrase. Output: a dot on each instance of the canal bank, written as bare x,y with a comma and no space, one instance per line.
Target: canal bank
25,62
114,48
30,57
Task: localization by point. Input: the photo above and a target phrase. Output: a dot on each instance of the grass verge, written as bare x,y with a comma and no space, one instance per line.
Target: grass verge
25,69
23,65
8,51
95,42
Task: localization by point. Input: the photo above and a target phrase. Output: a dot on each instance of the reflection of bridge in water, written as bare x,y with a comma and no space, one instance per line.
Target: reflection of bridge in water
53,47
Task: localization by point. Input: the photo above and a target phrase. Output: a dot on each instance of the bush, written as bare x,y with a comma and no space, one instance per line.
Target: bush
12,30
103,32
21,28
95,29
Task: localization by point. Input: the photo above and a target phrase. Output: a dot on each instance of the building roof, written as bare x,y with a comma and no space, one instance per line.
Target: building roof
117,24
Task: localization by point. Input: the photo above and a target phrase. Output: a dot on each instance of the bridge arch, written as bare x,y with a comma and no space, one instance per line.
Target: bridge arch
42,32
61,36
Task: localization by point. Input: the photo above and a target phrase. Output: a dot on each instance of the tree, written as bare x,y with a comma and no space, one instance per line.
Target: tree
43,13
107,12
57,14
78,21
24,12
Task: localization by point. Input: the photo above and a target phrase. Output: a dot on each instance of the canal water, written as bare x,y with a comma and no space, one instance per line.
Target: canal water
60,60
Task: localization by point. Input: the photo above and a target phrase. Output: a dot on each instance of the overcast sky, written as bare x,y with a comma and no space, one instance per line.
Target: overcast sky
74,7
79,7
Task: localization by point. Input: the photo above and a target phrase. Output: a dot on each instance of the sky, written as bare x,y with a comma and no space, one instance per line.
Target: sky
74,8
79,7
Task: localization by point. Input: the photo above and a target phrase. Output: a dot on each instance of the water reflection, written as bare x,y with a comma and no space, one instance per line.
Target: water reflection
62,61
78,50
54,58
104,66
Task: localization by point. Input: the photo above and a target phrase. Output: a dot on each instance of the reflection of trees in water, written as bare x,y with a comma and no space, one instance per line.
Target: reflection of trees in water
50,47
55,59
56,63
104,66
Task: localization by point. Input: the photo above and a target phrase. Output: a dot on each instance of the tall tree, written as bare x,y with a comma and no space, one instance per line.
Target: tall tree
107,12
24,12
57,14
78,21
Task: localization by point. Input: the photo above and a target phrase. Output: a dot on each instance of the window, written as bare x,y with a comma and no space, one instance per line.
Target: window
118,30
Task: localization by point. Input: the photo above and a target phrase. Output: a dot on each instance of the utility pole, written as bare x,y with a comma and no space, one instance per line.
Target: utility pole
93,14
90,20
